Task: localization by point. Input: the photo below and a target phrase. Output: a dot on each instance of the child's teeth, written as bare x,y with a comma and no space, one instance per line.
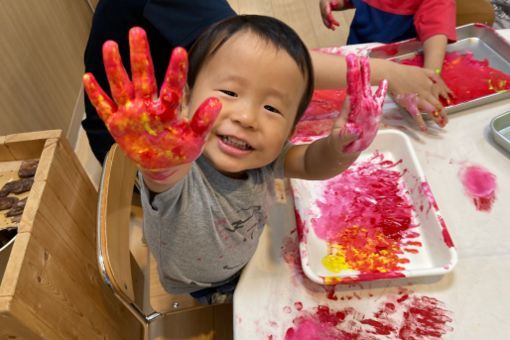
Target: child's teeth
236,142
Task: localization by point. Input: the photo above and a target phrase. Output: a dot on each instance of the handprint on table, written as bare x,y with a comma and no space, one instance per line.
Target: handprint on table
365,108
149,129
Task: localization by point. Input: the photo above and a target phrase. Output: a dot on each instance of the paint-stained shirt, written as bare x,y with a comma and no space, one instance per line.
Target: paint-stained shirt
205,229
389,21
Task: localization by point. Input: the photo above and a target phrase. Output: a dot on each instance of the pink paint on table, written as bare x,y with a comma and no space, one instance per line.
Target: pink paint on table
405,316
467,77
366,214
480,184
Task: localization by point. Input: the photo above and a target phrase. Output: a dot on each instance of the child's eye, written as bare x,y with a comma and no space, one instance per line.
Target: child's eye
271,109
229,93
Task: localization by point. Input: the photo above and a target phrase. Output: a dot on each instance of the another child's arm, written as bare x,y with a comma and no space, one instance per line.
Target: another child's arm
147,128
353,131
434,50
403,81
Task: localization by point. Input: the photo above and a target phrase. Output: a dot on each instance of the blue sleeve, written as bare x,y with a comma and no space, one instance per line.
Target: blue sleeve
373,25
181,21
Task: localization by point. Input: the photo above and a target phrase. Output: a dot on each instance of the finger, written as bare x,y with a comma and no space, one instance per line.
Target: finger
439,117
120,85
348,134
175,80
353,77
410,103
344,114
331,19
101,101
142,69
380,94
430,103
415,113
204,117
365,76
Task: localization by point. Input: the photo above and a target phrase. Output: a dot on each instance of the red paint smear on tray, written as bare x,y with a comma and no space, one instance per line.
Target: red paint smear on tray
405,317
480,184
366,212
425,188
467,77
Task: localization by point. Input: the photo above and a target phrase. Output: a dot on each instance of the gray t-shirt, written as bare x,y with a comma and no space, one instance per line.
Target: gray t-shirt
205,229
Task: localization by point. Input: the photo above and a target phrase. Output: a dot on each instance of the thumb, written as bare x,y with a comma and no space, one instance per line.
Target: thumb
205,116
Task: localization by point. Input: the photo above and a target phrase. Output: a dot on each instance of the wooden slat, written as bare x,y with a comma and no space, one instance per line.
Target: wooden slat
29,145
5,155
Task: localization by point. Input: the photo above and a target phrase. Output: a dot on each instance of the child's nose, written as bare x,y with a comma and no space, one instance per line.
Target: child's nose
246,116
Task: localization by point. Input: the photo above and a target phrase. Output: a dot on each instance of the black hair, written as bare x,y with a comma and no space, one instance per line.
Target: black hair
270,29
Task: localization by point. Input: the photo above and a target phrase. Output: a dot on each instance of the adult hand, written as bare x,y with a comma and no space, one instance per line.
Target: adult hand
146,127
417,90
365,108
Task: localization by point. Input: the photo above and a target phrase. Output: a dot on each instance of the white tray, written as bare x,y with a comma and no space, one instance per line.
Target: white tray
433,255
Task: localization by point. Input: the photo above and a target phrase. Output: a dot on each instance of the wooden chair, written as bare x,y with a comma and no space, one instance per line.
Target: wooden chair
116,262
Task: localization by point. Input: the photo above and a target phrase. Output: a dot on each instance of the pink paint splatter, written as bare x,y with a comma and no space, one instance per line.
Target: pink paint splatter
405,316
365,210
467,77
480,185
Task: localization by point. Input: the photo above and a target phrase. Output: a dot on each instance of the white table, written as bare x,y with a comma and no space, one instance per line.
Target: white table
475,292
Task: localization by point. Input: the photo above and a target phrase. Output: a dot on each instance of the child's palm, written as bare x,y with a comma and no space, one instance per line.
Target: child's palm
148,128
365,108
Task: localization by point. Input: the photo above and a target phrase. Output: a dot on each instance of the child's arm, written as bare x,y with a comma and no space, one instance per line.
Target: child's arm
353,131
403,80
147,128
434,50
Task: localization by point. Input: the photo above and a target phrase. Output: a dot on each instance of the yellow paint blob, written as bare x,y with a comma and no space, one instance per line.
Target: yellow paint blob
335,263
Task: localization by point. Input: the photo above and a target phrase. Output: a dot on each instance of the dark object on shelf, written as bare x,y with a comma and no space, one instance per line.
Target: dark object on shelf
17,209
28,168
17,187
7,202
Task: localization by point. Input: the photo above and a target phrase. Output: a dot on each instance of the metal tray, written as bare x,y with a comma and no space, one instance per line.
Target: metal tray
500,127
481,40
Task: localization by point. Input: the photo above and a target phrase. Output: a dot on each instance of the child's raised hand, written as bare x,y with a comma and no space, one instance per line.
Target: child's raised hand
326,6
146,127
365,108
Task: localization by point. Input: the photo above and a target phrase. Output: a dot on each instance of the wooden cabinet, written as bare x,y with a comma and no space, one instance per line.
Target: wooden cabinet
51,287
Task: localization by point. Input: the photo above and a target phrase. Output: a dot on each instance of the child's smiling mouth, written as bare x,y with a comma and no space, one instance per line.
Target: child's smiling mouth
235,143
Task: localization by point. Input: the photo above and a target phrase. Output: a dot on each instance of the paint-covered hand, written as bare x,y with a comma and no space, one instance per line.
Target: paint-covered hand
149,129
327,6
365,108
417,90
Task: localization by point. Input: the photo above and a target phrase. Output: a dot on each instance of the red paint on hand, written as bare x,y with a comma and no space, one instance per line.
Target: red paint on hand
366,109
146,127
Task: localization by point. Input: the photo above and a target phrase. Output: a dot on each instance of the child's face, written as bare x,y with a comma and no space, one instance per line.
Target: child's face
260,88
